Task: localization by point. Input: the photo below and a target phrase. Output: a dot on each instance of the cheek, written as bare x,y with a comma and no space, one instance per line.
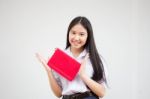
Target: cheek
84,39
70,38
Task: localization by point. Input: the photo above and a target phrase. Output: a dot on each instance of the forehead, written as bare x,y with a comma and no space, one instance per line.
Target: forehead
78,28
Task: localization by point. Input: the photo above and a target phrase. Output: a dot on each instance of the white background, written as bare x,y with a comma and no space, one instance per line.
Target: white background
121,30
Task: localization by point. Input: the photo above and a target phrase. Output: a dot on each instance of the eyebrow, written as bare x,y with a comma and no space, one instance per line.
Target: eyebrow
79,32
83,32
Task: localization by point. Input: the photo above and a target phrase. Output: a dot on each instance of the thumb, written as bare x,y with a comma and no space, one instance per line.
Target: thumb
86,56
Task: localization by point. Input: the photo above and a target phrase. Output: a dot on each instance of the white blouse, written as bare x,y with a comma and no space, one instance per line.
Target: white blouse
76,85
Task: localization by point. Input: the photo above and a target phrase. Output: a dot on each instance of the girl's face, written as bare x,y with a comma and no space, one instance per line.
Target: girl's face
78,36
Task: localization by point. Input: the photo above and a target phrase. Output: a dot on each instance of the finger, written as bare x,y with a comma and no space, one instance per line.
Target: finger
37,56
40,58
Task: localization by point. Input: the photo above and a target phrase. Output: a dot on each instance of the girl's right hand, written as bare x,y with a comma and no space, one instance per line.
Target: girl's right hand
43,61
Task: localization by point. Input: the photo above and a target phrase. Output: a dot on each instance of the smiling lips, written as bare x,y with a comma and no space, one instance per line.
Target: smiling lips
76,43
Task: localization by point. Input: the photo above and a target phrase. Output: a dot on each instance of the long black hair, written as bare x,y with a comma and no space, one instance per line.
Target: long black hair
96,61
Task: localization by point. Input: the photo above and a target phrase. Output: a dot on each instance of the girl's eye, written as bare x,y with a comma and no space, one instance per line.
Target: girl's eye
73,33
82,34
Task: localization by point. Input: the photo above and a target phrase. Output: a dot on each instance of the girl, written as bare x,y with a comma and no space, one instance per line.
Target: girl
89,82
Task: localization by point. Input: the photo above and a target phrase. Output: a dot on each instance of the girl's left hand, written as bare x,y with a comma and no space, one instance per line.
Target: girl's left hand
83,63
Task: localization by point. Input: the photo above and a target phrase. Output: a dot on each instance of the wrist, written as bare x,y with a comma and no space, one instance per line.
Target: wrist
83,76
48,70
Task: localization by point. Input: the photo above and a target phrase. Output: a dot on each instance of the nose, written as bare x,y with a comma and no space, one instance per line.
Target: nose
76,37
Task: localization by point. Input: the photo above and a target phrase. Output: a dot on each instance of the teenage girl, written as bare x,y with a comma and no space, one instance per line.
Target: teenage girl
90,80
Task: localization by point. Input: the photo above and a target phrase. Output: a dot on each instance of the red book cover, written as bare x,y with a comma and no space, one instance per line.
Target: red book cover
64,64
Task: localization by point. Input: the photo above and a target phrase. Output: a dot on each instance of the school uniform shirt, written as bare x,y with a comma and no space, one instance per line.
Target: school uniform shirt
76,85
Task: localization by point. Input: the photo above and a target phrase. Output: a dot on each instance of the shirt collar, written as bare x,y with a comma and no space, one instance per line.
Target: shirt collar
81,55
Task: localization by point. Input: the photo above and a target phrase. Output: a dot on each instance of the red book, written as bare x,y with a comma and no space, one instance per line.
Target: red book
64,64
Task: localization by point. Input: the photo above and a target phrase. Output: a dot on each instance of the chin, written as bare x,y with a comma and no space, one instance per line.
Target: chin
75,46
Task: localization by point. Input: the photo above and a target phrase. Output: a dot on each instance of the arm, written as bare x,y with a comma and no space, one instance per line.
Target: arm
54,85
52,81
94,86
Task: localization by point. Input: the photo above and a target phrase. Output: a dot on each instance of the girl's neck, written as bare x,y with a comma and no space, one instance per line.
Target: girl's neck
75,51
